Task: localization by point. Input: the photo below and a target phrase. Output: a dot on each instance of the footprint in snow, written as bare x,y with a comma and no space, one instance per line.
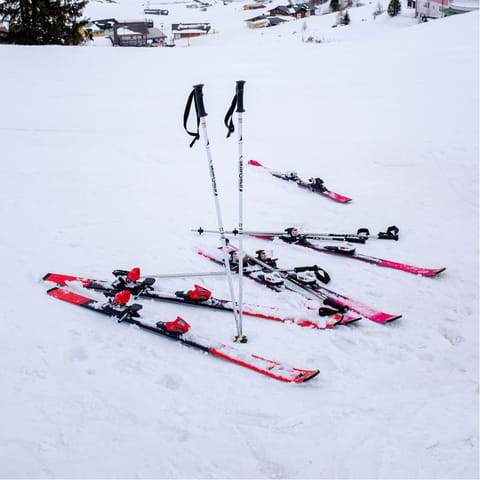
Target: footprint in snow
77,354
169,381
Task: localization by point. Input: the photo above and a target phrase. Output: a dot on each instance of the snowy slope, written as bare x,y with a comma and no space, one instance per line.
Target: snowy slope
96,174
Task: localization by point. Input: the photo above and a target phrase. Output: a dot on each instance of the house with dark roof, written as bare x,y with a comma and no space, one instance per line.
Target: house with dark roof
262,21
296,10
137,33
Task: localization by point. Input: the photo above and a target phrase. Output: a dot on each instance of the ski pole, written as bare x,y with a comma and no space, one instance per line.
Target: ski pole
201,113
184,275
237,104
360,237
240,110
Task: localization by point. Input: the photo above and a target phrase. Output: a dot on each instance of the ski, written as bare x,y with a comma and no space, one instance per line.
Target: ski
177,330
292,236
350,252
279,280
198,297
315,185
276,283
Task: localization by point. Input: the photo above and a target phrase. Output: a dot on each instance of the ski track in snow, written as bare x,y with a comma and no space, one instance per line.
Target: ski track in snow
97,175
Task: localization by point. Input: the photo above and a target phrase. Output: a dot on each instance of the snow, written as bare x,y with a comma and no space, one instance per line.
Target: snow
96,174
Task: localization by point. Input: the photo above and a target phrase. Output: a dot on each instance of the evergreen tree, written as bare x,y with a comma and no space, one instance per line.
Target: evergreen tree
334,5
43,22
346,18
394,8
378,10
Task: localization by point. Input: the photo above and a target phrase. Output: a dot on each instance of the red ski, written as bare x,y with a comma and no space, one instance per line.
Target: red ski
315,185
349,252
316,291
177,330
197,296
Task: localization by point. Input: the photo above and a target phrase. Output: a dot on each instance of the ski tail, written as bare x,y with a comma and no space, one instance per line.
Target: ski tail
122,312
70,297
63,280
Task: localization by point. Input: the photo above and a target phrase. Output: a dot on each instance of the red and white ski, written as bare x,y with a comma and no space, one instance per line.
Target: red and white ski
315,290
315,185
176,330
351,253
200,297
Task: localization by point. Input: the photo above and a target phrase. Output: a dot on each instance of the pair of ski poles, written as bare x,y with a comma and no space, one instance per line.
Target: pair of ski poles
196,96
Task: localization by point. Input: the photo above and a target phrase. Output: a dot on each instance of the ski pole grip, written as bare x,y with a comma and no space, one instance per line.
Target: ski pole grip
356,239
338,306
198,94
239,93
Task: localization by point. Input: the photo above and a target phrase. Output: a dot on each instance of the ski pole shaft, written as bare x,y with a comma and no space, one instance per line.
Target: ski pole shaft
330,236
240,110
185,275
295,286
202,114
390,234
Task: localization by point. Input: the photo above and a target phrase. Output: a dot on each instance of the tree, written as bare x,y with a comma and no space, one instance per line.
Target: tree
334,5
394,8
43,22
346,18
378,10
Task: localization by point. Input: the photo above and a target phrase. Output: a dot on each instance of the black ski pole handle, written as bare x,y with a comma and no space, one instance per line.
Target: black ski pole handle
325,311
239,94
336,305
198,94
356,239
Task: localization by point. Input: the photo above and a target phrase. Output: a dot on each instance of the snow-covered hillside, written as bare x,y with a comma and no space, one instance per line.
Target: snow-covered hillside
96,174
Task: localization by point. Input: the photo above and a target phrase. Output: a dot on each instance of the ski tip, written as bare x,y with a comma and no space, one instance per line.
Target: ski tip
436,271
255,163
349,321
305,376
45,277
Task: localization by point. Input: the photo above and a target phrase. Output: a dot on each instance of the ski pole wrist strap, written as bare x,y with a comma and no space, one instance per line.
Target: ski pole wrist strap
229,117
186,115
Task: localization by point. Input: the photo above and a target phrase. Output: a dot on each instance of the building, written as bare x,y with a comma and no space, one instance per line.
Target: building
155,11
137,33
461,6
442,8
253,6
189,30
296,10
430,8
3,30
263,21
